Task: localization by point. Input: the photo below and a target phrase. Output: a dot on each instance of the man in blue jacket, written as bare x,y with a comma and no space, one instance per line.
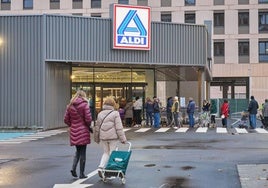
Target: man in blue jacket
190,112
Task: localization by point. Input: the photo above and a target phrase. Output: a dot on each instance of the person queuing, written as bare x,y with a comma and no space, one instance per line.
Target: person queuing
137,106
156,112
224,113
149,109
169,111
190,112
78,118
129,113
253,110
206,106
265,113
175,111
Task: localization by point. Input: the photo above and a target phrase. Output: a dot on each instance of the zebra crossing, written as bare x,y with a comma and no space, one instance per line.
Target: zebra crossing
32,136
218,130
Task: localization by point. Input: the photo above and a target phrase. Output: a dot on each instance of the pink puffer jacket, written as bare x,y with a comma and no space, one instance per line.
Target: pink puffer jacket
111,128
79,130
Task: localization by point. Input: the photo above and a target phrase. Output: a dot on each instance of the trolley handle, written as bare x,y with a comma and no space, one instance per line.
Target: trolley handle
129,146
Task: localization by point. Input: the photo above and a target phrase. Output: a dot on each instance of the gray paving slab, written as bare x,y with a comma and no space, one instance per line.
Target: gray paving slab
253,175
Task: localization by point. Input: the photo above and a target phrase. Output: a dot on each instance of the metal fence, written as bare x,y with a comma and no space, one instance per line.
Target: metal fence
235,105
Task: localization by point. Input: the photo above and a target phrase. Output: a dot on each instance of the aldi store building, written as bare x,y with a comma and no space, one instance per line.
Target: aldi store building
46,58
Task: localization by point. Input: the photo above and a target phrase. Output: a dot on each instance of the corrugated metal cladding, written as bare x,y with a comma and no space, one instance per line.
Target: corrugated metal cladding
34,90
83,39
21,71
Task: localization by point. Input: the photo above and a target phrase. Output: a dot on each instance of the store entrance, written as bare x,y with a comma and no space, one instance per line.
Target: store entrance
99,91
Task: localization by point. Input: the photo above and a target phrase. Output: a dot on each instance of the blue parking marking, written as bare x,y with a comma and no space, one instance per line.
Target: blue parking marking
11,135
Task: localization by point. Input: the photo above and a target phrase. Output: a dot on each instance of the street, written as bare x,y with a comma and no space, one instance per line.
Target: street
161,158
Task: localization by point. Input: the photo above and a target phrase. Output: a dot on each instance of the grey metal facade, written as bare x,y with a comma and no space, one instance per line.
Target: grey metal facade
90,39
35,69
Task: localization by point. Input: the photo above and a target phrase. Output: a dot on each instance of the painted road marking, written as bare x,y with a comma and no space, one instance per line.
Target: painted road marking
241,131
78,183
259,130
142,130
221,130
161,130
202,130
182,130
31,137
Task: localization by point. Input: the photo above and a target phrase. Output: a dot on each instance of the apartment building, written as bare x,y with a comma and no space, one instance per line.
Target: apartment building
239,28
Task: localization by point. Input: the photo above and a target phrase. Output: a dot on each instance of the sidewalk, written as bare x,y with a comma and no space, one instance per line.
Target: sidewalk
253,175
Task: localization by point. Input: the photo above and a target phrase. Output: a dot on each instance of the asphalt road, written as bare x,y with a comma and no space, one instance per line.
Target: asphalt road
159,160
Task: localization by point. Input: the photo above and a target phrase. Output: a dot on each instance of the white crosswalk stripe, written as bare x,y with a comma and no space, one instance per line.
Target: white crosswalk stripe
218,130
182,130
259,130
142,130
161,130
241,131
31,137
202,130
221,130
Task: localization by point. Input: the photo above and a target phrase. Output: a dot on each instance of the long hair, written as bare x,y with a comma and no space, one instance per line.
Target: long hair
79,93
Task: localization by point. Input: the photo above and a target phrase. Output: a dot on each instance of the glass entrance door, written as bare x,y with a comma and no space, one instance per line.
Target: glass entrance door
120,92
96,93
103,91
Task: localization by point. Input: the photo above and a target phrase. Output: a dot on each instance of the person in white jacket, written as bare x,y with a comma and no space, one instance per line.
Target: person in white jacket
108,131
137,106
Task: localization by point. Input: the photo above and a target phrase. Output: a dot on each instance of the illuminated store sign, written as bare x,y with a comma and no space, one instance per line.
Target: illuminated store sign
131,27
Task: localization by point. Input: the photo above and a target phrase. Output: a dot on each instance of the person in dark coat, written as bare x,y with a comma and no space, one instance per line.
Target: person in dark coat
149,109
190,112
169,110
253,110
78,118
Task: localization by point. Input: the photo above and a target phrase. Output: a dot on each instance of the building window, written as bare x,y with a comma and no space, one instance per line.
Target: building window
142,2
165,16
165,3
263,51
243,2
263,1
125,2
243,19
189,18
263,22
5,4
54,4
95,3
77,4
218,48
27,4
96,15
218,2
189,2
218,19
243,47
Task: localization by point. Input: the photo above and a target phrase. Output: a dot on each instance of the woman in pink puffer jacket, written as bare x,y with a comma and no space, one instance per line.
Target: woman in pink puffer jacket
108,131
78,118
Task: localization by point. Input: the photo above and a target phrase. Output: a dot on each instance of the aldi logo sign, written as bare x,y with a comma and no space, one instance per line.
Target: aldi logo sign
131,27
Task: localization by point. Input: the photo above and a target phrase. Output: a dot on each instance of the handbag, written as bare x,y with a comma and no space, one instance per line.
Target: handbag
90,129
96,135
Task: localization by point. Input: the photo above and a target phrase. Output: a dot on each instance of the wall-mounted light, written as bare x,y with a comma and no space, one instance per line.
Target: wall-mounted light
1,41
72,77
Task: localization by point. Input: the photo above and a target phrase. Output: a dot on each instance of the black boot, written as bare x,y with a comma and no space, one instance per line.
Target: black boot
82,169
75,161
